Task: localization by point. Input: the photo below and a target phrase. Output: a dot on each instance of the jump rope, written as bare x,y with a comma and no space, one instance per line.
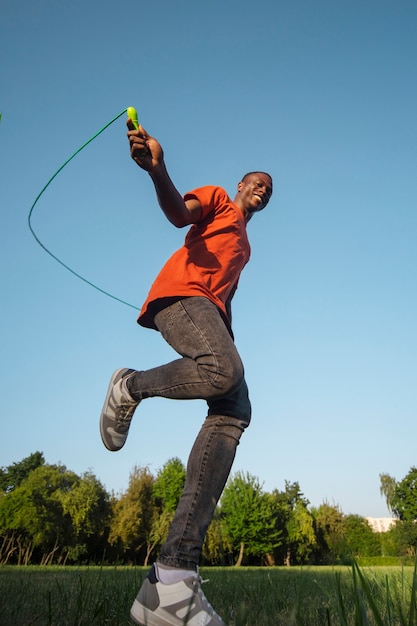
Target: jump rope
132,114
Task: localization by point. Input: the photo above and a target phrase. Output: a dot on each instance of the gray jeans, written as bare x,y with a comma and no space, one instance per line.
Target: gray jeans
210,369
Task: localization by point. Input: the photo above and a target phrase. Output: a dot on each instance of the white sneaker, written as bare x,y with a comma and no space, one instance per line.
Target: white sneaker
179,604
117,411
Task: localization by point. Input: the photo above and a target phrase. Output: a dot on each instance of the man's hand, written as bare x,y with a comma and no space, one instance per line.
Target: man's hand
145,150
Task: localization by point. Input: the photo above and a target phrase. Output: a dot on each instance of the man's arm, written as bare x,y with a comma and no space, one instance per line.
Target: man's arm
147,152
179,212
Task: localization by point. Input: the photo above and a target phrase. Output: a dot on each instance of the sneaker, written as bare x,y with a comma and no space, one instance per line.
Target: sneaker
117,412
179,604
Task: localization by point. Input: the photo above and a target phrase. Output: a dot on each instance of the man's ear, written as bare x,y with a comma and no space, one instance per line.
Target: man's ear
239,186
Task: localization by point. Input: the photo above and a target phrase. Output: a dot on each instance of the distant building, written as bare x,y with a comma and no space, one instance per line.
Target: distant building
381,524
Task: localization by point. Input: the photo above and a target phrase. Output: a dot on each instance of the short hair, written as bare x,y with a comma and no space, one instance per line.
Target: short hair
256,172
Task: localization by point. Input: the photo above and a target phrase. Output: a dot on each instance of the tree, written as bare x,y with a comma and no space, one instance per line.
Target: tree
215,543
133,514
297,523
387,488
400,540
404,498
13,475
169,484
248,518
301,534
329,521
87,504
167,489
160,524
361,540
52,515
32,514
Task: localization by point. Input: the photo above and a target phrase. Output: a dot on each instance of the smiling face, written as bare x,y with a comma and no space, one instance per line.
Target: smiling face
253,193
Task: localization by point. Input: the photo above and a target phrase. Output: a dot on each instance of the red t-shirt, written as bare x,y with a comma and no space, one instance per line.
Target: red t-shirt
209,264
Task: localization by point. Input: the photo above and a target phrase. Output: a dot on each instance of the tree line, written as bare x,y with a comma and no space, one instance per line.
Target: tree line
49,514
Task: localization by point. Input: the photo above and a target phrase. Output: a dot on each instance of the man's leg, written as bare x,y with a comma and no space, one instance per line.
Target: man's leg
208,469
167,592
210,362
172,587
209,367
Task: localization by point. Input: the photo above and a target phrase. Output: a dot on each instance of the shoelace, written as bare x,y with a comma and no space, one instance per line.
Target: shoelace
201,580
198,582
124,414
125,410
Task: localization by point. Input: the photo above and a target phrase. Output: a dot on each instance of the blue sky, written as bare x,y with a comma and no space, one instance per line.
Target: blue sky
324,96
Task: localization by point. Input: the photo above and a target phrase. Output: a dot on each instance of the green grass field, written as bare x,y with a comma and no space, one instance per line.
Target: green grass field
317,596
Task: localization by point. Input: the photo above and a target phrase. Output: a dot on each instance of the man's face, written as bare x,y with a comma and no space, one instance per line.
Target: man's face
254,192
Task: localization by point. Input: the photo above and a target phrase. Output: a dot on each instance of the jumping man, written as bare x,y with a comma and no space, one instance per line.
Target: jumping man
190,305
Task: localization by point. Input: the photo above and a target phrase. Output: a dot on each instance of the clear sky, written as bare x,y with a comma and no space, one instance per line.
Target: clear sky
321,94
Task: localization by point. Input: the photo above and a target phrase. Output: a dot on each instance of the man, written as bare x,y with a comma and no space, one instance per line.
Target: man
190,305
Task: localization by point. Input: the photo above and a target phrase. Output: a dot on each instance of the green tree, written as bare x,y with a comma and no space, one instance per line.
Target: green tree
215,544
13,475
158,532
400,540
361,540
167,489
297,524
301,533
52,514
404,498
169,484
329,521
133,514
248,517
32,514
87,503
387,488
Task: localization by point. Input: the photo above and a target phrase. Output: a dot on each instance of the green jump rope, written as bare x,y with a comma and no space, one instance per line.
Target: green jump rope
132,114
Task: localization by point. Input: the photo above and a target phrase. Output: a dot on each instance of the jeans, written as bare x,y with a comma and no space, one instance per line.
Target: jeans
210,369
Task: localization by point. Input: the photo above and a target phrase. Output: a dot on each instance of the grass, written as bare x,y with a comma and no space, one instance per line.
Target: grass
320,596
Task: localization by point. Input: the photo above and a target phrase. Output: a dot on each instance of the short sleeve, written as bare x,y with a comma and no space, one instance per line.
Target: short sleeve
208,198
